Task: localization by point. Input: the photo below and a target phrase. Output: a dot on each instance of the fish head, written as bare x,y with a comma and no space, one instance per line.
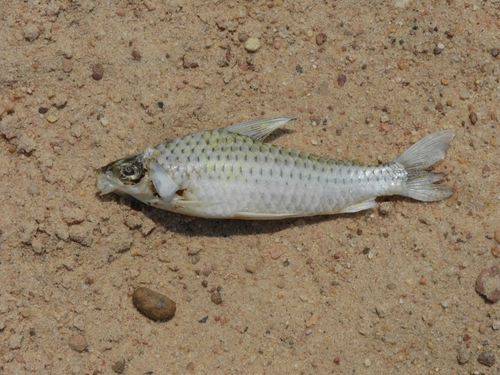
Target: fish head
127,176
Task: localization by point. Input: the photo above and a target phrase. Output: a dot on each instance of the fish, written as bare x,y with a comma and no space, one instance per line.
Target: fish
231,173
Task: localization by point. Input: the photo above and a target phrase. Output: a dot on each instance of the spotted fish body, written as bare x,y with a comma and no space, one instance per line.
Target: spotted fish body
231,173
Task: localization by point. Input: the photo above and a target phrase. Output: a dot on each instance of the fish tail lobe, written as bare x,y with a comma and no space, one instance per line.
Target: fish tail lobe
420,184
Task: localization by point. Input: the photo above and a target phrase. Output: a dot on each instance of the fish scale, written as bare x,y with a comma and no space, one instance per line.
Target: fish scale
232,173
250,176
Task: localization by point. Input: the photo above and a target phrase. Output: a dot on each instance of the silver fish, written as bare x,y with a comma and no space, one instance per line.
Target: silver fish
231,173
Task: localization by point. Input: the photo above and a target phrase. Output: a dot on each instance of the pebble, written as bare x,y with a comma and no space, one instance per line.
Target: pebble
250,267
97,72
497,235
31,32
321,38
341,79
8,105
153,305
252,44
473,118
78,343
368,362
33,189
495,251
463,356
275,252
216,297
391,286
495,52
488,284
487,358
67,65
51,118
423,280
15,341
439,49
482,328
119,366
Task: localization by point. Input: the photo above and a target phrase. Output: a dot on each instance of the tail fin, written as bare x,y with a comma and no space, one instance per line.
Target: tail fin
421,156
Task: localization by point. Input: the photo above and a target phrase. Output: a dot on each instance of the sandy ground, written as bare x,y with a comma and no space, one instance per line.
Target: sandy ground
385,291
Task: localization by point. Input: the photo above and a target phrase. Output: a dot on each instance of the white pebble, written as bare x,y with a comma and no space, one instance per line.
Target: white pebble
252,44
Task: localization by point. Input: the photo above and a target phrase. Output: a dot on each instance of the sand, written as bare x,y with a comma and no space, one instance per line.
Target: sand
385,291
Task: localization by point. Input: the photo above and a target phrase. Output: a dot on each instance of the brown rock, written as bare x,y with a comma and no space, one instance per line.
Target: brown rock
78,343
473,118
488,284
119,366
216,297
321,38
153,305
67,65
341,79
97,72
487,358
497,235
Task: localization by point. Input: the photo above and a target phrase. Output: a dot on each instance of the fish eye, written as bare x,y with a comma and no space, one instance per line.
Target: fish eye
129,173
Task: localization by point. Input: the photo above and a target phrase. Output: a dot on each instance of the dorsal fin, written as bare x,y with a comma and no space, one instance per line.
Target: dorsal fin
258,129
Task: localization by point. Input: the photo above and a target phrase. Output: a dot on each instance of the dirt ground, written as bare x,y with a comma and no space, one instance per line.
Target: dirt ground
390,290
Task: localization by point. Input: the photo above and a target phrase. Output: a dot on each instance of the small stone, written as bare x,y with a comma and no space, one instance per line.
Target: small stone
495,52
463,356
216,297
341,79
51,118
486,358
242,38
464,95
97,72
67,65
439,49
495,325
119,366
473,118
482,328
321,38
78,343
104,121
136,55
153,305
495,251
391,286
368,362
250,267
15,341
423,280
380,312
33,189
497,235
252,44
488,284
43,110
275,252
31,32
8,105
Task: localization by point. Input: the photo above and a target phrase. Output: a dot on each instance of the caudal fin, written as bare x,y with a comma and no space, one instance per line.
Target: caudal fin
417,159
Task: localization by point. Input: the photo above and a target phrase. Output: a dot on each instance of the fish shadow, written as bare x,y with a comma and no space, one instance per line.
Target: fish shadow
204,227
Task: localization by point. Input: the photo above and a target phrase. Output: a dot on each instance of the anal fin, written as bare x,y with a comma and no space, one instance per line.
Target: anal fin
360,206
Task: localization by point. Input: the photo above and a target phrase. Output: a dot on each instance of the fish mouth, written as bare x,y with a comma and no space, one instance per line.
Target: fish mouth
103,183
